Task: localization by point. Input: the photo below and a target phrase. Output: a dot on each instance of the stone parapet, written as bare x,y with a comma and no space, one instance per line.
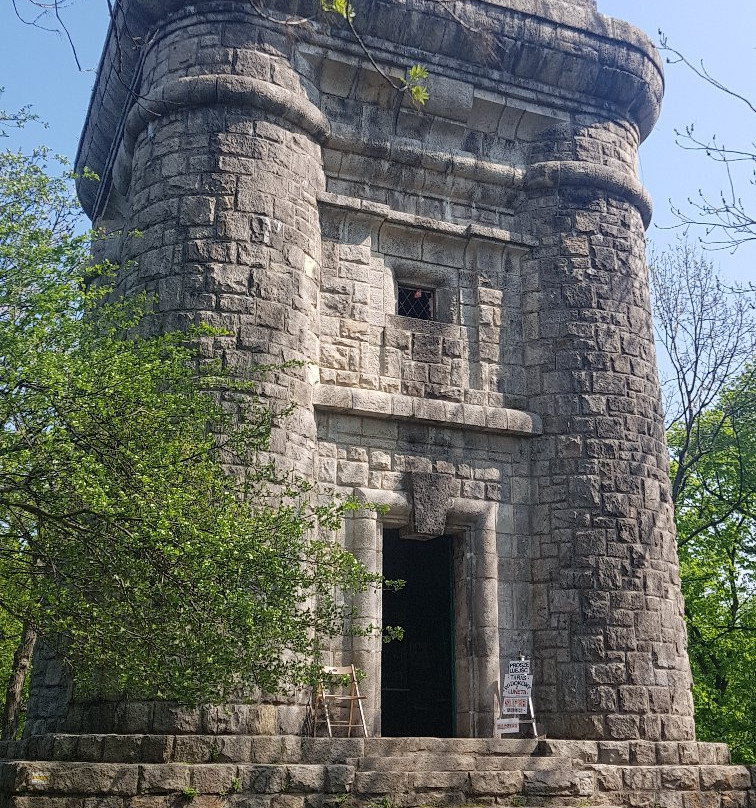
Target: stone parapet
578,61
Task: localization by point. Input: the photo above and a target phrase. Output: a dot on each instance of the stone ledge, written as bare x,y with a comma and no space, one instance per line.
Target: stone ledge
376,404
386,214
639,753
419,155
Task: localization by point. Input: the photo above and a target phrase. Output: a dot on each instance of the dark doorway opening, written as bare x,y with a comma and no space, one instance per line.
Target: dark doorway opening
417,673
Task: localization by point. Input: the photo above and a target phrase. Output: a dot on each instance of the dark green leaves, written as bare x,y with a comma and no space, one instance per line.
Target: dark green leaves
122,537
716,523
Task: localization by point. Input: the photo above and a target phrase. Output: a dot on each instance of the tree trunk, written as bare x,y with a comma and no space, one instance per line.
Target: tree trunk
14,694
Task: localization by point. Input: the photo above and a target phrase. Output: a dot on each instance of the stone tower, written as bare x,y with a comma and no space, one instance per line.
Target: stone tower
466,282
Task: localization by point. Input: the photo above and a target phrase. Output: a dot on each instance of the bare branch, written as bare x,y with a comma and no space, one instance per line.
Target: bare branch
727,220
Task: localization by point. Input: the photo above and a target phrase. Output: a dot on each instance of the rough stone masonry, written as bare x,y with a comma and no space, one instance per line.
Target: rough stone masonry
466,284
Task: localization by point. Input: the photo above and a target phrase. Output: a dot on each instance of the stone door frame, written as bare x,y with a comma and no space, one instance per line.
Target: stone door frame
473,524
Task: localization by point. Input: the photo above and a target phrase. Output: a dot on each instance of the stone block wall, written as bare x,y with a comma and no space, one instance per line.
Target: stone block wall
283,190
157,771
470,352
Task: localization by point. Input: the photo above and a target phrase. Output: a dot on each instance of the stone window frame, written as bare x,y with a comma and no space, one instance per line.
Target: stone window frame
442,281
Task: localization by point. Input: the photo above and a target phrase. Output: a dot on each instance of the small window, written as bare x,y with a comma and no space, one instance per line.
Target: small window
414,302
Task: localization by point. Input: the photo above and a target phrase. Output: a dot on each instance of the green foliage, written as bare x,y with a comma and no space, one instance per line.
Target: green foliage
415,84
393,634
122,537
344,8
715,514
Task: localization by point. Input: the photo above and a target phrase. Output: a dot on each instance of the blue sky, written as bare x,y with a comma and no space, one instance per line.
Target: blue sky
37,67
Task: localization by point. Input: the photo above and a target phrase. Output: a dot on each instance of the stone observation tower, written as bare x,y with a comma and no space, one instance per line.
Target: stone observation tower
466,283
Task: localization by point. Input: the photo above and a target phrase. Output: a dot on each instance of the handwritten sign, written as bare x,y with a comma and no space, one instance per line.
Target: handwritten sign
515,692
505,725
514,706
517,685
522,679
516,700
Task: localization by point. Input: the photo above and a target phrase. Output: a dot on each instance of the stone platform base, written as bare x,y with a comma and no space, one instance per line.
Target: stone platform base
189,771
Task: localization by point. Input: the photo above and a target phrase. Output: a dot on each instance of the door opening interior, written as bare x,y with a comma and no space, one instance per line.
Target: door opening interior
417,672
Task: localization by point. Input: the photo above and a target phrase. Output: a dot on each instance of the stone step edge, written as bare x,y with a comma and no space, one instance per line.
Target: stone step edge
451,762
143,748
643,778
605,752
159,748
532,788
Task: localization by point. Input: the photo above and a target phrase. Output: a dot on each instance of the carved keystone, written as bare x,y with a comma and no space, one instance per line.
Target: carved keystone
431,501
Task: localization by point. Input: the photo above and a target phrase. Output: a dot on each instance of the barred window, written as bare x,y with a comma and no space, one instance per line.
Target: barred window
414,302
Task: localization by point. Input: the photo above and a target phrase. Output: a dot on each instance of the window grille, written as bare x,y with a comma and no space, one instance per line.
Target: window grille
414,302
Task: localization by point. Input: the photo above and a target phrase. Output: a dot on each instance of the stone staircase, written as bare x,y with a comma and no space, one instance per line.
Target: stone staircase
242,771
434,771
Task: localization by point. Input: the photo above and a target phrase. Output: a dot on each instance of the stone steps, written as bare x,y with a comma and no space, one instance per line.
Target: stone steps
167,771
266,749
397,747
452,762
88,779
112,748
475,784
715,778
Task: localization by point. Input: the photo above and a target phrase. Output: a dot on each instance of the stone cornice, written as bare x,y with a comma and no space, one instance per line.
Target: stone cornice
583,54
517,242
198,91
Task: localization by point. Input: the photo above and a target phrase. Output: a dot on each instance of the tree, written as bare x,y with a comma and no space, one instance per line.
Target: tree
729,219
716,523
123,539
708,333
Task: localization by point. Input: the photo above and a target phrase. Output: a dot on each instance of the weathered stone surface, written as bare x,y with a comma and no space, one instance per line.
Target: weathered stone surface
557,783
411,779
163,778
283,194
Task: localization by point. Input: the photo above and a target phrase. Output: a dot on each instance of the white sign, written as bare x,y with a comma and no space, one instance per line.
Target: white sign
40,778
514,692
514,706
519,666
517,686
520,679
504,725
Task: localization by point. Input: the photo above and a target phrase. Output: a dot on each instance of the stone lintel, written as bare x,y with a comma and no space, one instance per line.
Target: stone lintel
393,406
